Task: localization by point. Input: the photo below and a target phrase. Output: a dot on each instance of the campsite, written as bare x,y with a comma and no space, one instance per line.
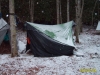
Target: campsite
40,40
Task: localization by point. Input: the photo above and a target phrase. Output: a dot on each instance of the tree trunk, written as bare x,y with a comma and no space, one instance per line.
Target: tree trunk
77,20
81,27
67,10
60,13
79,15
14,51
58,9
81,12
31,4
0,5
93,11
98,12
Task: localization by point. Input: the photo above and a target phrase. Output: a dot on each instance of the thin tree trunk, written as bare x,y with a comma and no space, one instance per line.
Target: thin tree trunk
81,30
31,4
81,27
81,12
93,10
58,14
68,11
98,12
0,5
14,51
79,15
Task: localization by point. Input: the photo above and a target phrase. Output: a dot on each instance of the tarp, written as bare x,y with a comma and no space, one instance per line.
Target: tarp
98,26
3,29
50,40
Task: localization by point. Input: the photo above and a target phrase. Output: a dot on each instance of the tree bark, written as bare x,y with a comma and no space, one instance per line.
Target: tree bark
68,11
77,21
81,30
14,51
79,11
31,4
79,15
60,13
81,27
58,9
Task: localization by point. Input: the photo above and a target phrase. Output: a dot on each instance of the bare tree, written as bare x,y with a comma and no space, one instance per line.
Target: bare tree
31,7
14,51
67,10
58,9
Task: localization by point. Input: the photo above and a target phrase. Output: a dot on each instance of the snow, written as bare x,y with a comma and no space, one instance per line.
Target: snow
21,46
26,64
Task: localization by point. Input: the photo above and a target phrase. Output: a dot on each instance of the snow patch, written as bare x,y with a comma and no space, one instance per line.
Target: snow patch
21,46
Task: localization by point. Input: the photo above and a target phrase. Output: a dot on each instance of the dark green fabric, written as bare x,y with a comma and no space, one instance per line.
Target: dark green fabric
6,38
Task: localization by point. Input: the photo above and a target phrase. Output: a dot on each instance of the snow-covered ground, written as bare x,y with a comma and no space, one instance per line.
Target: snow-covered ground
85,62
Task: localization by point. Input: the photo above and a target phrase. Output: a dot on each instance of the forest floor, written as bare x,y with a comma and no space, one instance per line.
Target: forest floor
85,62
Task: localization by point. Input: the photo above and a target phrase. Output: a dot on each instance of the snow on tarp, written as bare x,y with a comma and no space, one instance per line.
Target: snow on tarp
98,26
61,32
2,23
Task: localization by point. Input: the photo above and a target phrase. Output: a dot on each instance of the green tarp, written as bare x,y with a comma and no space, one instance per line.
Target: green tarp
50,40
61,32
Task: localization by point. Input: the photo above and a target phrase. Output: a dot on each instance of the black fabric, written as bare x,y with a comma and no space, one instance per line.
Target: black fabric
0,15
27,46
44,46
